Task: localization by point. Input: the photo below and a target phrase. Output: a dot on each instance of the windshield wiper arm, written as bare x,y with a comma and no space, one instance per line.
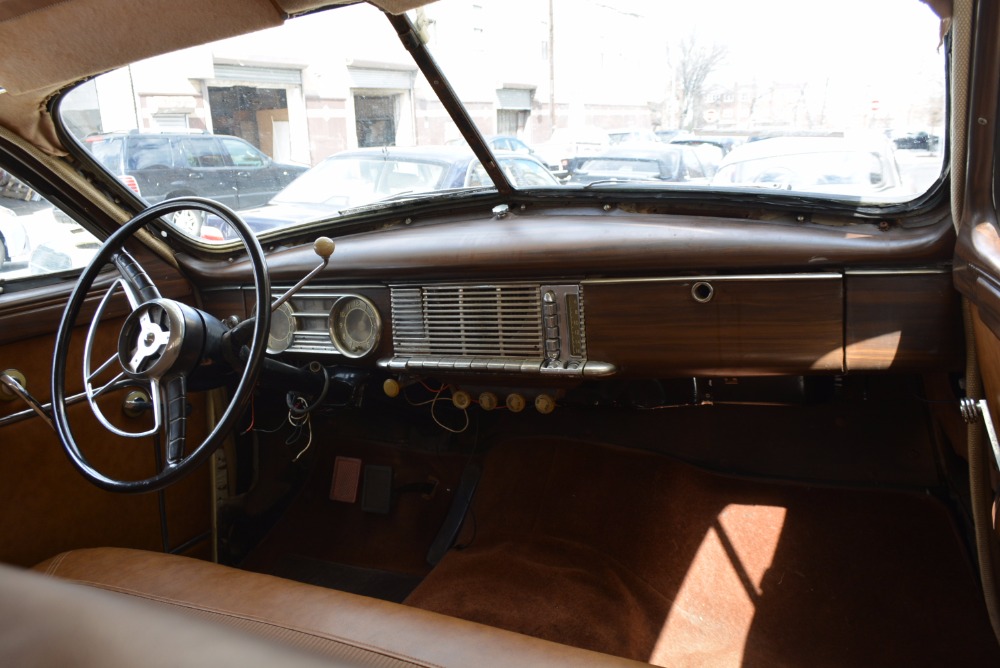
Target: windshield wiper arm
446,94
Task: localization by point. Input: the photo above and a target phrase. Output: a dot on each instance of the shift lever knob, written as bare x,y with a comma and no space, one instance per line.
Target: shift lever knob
324,247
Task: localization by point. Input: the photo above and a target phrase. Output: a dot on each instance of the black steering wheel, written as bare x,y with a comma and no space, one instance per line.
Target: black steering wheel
162,346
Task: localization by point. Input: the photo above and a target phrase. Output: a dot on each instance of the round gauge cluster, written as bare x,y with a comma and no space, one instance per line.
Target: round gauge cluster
279,338
355,326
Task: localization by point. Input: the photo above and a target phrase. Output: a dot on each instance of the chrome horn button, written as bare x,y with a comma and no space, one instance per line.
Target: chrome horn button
150,341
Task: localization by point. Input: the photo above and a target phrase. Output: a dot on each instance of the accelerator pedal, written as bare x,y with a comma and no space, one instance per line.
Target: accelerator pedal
376,495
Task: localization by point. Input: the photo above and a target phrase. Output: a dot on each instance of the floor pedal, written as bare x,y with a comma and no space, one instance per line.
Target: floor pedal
346,473
376,496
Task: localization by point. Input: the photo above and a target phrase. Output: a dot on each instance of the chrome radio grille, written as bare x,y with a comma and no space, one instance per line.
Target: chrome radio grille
468,320
509,328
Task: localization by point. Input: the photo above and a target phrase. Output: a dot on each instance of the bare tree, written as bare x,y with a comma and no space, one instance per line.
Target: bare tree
695,61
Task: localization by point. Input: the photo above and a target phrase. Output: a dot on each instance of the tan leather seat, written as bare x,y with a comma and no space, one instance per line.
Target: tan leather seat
344,628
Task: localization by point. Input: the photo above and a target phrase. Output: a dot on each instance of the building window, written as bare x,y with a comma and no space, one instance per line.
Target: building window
375,118
170,121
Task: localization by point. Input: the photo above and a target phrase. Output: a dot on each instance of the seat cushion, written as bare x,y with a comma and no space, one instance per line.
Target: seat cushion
335,624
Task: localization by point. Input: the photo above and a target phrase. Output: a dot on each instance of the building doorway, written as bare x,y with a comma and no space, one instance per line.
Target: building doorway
258,115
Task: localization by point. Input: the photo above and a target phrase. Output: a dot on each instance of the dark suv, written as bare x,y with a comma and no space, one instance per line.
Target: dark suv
163,165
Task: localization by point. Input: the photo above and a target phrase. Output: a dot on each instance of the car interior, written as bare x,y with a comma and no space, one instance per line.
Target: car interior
617,423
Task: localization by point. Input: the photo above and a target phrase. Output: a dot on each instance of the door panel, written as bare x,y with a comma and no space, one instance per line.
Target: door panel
47,505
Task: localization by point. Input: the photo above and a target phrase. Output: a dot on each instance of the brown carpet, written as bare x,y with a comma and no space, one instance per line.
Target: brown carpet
640,556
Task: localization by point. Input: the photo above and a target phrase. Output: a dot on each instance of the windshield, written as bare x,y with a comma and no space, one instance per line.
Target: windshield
328,112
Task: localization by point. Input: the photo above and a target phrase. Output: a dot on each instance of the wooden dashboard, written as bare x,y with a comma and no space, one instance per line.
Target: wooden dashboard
658,296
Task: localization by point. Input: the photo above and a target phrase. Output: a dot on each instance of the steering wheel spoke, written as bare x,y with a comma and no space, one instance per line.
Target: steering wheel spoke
161,343
138,285
174,401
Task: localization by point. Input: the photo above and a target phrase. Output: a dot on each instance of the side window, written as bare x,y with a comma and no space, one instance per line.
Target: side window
107,151
36,238
243,154
149,153
530,173
203,152
477,176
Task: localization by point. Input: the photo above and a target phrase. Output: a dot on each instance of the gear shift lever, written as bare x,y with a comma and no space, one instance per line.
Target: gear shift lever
323,247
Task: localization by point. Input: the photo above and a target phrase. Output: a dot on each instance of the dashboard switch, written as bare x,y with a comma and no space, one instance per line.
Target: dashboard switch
545,404
391,387
515,403
461,400
488,401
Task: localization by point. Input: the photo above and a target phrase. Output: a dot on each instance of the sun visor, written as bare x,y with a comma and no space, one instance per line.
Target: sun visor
73,48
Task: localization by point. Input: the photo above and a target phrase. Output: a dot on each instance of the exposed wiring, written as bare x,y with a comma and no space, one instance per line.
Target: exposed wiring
443,425
432,402
307,420
299,406
253,416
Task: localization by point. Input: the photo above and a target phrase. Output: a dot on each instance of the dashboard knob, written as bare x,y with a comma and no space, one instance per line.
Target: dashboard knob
515,403
488,401
391,387
544,404
461,400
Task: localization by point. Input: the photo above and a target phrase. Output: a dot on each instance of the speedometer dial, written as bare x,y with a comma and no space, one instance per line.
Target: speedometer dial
279,338
355,326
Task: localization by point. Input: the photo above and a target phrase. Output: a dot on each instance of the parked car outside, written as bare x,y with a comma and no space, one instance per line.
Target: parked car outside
626,136
159,166
363,176
671,135
833,165
643,162
568,146
70,250
14,242
917,140
500,143
710,151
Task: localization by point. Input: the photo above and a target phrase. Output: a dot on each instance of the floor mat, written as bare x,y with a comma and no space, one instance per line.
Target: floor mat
640,556
371,582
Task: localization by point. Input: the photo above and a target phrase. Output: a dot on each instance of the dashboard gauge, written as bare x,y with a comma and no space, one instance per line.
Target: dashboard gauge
355,326
279,338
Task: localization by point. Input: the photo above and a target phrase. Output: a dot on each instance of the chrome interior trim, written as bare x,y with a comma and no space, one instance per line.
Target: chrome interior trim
921,271
716,278
310,312
47,407
501,328
18,390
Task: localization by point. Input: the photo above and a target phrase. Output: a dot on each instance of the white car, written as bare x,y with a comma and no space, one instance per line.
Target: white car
14,242
832,166
568,146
